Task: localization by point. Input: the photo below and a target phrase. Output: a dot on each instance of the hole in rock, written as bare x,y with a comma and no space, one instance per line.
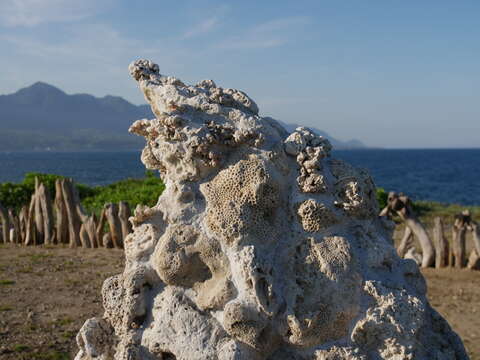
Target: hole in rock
165,355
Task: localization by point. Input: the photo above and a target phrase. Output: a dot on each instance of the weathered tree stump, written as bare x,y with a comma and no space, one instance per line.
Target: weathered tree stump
107,241
85,236
90,226
61,219
459,231
5,222
82,214
100,228
111,213
38,215
441,244
43,197
23,220
406,242
30,233
401,205
124,214
74,222
14,227
474,258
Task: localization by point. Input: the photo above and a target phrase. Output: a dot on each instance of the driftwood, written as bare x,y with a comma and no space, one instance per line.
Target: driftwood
100,228
441,244
107,240
401,205
412,254
38,215
14,227
64,220
5,222
406,242
30,233
74,223
43,197
85,236
90,226
474,258
61,219
82,214
22,220
460,226
124,214
111,213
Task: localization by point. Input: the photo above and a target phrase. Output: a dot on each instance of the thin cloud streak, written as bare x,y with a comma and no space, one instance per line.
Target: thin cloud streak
30,13
202,28
209,24
270,34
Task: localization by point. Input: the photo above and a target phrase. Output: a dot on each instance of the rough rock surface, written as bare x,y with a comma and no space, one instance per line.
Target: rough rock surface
262,246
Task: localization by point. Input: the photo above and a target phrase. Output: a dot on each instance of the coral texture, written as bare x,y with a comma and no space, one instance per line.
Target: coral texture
262,246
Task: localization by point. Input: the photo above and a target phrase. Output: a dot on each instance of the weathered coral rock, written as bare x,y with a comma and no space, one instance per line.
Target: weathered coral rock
261,247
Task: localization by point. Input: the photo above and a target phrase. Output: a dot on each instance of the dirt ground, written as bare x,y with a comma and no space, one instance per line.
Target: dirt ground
47,293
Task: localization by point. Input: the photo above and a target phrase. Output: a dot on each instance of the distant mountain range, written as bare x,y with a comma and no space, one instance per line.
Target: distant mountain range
43,117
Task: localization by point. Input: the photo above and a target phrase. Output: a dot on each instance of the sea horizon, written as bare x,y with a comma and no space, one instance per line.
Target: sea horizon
442,175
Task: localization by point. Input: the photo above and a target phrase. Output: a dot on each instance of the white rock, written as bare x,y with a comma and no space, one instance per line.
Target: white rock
260,247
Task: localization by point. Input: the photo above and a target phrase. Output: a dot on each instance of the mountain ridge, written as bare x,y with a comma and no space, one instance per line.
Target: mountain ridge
42,117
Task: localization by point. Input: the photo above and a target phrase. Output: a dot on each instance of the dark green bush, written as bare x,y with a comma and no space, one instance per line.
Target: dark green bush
15,195
382,197
135,191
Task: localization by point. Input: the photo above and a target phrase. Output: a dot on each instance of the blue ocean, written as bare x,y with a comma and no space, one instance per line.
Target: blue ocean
450,176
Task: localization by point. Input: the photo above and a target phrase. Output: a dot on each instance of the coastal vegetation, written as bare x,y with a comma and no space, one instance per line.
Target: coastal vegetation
133,191
146,190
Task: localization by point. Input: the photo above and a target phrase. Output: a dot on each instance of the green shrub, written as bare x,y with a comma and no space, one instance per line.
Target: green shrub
134,191
382,197
13,195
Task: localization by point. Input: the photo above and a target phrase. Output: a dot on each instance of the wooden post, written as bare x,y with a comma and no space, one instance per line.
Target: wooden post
111,213
85,237
38,215
14,227
23,220
91,227
61,221
5,221
462,223
441,244
459,239
474,259
100,228
73,217
82,214
30,233
45,201
402,206
406,242
107,241
124,214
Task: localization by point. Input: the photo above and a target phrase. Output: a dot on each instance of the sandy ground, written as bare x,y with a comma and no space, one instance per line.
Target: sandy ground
47,293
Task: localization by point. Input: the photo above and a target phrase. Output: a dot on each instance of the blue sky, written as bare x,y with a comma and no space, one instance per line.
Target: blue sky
390,73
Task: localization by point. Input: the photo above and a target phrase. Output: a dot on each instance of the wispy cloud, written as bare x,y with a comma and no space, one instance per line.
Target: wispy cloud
207,25
202,28
30,13
84,60
269,34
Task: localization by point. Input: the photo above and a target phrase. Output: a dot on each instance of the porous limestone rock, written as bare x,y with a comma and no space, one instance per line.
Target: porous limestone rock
262,246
